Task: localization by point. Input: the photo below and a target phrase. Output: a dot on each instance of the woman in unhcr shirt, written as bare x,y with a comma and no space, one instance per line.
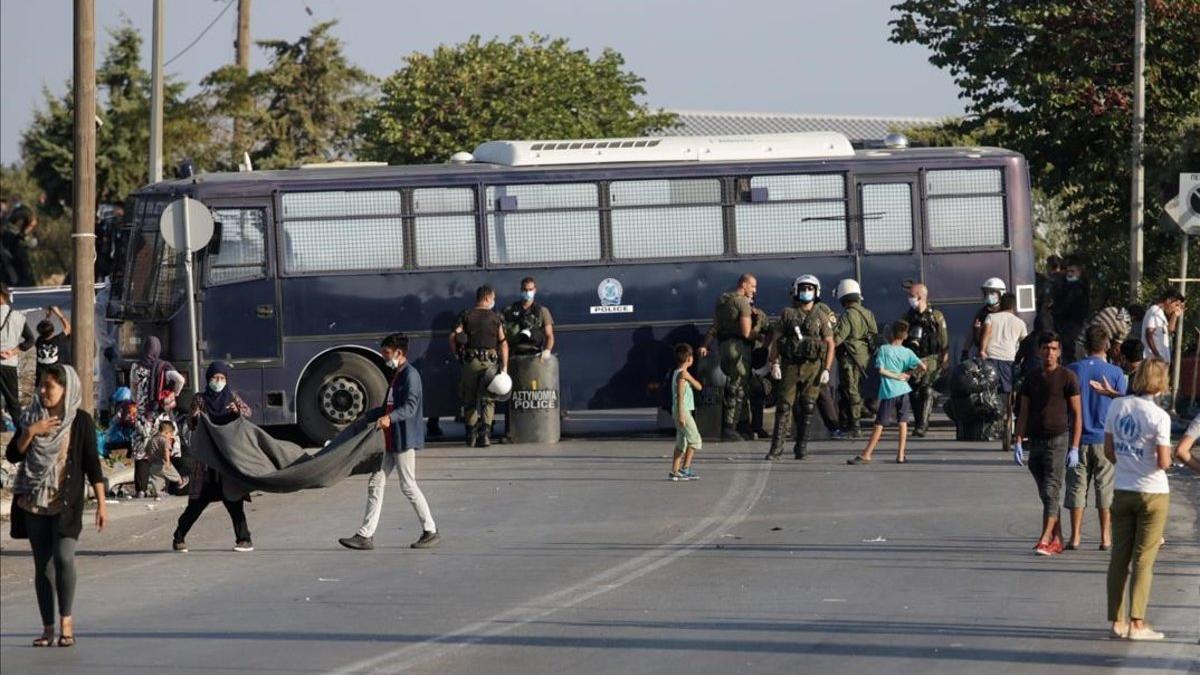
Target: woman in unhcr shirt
1137,439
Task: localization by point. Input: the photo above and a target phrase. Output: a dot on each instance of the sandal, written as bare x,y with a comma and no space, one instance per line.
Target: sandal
44,641
66,641
858,461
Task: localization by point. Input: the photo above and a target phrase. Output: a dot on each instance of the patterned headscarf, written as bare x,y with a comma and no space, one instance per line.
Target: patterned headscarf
40,470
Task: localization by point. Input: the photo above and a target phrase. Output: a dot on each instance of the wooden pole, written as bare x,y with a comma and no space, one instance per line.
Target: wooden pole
83,212
156,95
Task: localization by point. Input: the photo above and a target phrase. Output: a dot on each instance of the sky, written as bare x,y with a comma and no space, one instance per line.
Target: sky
797,56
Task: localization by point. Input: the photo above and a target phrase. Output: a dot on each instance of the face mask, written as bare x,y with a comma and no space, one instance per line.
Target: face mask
992,299
216,385
527,296
490,306
1072,278
914,302
394,364
805,296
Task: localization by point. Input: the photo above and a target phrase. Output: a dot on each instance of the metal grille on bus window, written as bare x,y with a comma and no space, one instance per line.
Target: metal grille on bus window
444,241
565,236
963,182
546,196
815,186
243,246
887,217
966,222
806,227
169,289
664,192
443,200
339,204
341,245
143,265
671,232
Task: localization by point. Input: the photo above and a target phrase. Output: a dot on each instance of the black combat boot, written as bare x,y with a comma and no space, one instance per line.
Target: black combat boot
783,426
800,449
730,434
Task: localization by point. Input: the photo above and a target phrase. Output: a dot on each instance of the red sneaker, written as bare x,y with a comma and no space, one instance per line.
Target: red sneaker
1044,549
1056,545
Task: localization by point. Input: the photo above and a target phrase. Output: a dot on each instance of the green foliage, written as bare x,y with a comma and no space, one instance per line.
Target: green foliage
1053,79
51,258
304,108
534,87
123,137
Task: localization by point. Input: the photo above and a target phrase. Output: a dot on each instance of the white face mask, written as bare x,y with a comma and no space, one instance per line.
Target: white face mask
216,385
490,306
914,302
394,363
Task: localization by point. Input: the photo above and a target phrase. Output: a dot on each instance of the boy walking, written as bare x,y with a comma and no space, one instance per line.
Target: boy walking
403,428
687,435
895,363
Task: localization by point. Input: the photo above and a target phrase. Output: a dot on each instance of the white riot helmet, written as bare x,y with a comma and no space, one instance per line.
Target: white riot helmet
807,279
500,385
846,287
994,284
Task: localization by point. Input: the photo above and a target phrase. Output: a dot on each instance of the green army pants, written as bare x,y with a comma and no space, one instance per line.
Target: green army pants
796,396
850,377
735,363
479,408
923,394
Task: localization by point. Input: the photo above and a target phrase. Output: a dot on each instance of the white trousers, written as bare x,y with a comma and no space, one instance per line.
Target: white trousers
405,464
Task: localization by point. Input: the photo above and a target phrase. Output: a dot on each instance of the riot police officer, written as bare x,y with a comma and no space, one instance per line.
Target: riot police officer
801,355
737,325
479,339
929,339
854,334
528,325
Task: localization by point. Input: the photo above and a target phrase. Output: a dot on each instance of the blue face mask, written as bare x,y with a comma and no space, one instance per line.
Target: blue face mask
992,299
527,296
805,296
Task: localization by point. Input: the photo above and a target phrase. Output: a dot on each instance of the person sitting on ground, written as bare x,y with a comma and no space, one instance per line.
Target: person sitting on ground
687,435
158,466
896,364
123,426
1137,439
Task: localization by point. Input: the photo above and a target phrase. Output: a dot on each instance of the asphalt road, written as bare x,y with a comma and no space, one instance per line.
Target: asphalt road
581,558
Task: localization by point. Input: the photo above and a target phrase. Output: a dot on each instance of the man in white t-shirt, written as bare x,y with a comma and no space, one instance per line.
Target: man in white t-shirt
1002,335
1159,323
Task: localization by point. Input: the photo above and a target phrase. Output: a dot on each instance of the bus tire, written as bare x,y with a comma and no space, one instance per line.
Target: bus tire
339,389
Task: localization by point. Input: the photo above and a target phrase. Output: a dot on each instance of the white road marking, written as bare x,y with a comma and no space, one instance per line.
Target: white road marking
736,503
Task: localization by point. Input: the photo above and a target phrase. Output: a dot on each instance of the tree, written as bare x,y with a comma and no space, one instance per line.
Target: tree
51,257
1053,79
305,107
535,87
123,138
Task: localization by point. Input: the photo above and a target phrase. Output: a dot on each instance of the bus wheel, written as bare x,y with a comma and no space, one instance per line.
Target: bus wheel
337,391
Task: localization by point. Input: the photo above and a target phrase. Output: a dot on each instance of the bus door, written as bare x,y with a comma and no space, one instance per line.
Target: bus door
239,311
887,241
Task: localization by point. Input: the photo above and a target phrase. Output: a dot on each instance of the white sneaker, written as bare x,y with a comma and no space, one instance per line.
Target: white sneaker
243,547
1145,633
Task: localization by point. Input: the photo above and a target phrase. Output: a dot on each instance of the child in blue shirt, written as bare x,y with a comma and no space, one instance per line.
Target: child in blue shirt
687,435
895,363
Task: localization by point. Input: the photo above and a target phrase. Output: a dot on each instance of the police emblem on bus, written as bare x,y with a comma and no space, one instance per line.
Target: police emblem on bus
610,292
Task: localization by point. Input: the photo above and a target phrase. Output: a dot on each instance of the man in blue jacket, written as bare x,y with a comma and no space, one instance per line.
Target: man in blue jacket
403,428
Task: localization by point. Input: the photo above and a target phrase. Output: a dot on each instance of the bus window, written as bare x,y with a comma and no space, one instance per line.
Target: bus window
543,223
800,214
965,208
444,227
666,218
887,213
342,231
243,246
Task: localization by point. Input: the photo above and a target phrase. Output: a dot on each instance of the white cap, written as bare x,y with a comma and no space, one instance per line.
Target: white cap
846,287
995,284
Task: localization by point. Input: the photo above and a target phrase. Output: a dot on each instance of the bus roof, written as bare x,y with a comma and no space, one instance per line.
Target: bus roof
494,171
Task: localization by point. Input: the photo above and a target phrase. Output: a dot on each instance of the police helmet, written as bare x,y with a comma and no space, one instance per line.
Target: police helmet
994,284
500,385
805,280
846,287
122,395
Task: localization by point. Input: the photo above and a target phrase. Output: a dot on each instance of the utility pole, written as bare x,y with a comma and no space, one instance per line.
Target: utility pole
83,211
156,95
243,61
1137,209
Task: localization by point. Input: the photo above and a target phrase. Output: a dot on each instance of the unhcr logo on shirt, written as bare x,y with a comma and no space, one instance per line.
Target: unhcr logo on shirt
1126,439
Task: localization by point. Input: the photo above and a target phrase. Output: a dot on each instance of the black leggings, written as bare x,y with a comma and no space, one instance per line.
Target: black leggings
10,392
141,475
196,506
53,565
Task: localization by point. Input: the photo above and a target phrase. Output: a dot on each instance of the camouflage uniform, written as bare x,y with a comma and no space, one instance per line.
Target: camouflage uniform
928,338
854,335
801,338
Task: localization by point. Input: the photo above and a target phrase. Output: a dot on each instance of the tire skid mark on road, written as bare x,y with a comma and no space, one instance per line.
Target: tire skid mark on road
744,491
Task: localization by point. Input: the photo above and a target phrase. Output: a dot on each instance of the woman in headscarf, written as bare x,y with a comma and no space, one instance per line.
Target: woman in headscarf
56,448
222,406
149,377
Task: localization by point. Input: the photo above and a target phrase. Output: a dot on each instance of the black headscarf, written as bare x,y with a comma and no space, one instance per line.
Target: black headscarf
155,366
216,404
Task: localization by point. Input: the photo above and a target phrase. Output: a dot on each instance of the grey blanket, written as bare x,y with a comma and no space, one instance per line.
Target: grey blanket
249,459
